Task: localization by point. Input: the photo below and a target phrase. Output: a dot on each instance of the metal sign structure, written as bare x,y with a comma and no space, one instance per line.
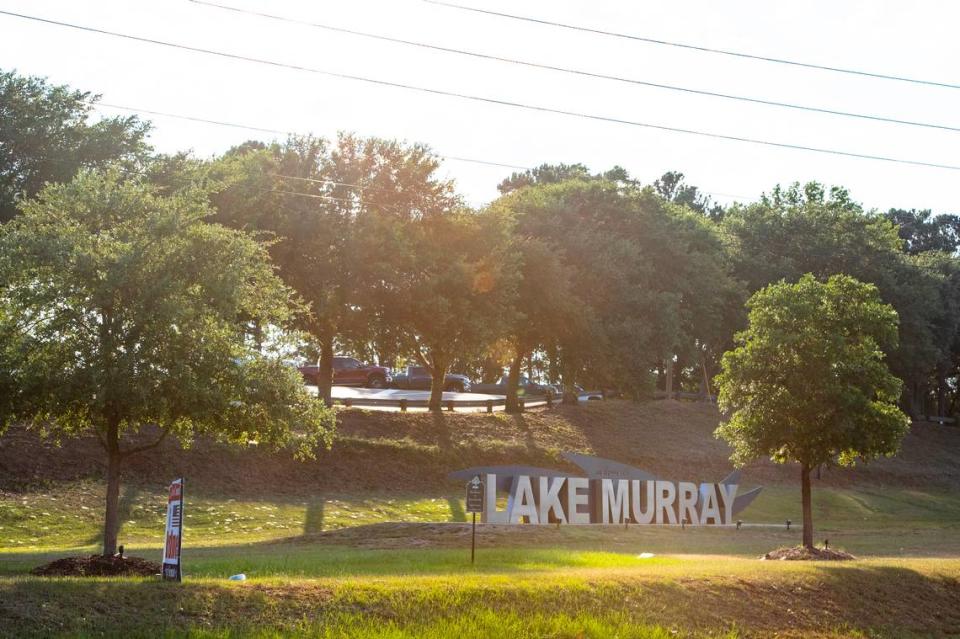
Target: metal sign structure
611,493
474,503
173,537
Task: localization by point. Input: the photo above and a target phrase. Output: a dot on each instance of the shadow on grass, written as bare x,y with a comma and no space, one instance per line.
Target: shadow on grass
125,508
457,513
313,518
859,600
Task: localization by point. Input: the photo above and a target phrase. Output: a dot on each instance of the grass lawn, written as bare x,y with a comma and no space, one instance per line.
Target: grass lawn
368,541
314,570
868,520
522,594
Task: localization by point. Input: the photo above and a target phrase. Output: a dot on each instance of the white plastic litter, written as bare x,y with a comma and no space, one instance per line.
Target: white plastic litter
645,555
240,577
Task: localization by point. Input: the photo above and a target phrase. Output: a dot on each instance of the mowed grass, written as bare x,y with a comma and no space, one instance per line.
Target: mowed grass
69,515
699,597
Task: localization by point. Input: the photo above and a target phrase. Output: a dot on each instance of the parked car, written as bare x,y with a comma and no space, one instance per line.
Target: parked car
349,371
525,386
419,378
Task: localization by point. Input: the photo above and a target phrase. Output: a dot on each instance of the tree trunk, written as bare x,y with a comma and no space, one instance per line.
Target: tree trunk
570,396
941,390
111,522
513,383
807,506
258,335
668,372
439,373
325,372
705,380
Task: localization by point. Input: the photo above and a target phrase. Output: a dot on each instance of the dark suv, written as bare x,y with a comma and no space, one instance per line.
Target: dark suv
348,371
419,378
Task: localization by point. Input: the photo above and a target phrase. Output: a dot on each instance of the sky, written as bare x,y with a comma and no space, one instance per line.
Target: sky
915,39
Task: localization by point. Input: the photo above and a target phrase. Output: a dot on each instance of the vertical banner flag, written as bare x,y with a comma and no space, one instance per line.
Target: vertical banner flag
174,532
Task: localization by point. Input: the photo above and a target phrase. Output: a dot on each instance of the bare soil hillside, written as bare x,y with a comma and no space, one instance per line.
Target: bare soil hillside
381,451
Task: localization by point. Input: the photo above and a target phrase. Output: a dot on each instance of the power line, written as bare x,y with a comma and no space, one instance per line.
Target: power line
235,125
475,98
313,195
318,181
580,72
695,47
293,177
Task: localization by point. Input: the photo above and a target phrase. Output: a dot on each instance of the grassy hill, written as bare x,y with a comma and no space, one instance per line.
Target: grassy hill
364,541
389,467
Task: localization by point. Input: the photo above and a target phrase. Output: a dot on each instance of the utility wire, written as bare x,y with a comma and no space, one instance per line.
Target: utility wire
580,72
235,125
695,47
293,177
501,102
312,195
318,181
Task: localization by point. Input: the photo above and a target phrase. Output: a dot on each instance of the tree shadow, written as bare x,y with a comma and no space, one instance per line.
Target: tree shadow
456,509
124,509
313,519
442,431
521,423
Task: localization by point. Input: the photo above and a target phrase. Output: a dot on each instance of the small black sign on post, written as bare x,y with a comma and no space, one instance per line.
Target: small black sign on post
474,506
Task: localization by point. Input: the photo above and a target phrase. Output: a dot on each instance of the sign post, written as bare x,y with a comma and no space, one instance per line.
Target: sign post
174,532
474,506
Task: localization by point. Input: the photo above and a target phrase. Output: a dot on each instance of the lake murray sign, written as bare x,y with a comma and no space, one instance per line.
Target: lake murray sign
608,492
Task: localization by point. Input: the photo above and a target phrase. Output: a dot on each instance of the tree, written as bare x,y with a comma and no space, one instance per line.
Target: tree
671,187
922,231
121,316
556,173
807,381
453,288
810,229
46,136
332,211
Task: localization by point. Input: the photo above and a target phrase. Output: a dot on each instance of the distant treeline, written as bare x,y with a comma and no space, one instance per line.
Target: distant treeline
578,277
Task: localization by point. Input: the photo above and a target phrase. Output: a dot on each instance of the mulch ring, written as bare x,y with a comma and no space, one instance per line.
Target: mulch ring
98,566
802,553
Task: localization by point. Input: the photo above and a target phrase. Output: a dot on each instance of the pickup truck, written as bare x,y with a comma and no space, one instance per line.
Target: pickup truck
525,387
348,371
419,378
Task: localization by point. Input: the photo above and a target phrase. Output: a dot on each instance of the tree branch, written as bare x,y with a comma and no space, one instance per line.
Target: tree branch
100,438
140,449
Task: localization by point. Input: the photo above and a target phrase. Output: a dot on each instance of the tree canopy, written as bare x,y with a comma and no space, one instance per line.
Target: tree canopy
121,313
46,135
808,381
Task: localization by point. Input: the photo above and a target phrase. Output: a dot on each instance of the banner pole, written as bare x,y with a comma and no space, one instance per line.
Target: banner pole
180,536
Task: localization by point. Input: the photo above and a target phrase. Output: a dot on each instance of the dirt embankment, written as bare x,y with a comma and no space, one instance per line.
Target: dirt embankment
392,452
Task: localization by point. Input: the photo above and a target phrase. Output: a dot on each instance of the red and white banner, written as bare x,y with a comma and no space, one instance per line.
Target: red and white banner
174,532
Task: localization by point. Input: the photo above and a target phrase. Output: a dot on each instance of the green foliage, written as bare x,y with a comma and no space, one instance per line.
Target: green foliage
46,136
672,187
122,310
454,286
807,381
922,231
642,279
556,173
125,305
809,230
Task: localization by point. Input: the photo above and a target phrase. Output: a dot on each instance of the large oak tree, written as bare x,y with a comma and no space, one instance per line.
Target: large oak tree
122,316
